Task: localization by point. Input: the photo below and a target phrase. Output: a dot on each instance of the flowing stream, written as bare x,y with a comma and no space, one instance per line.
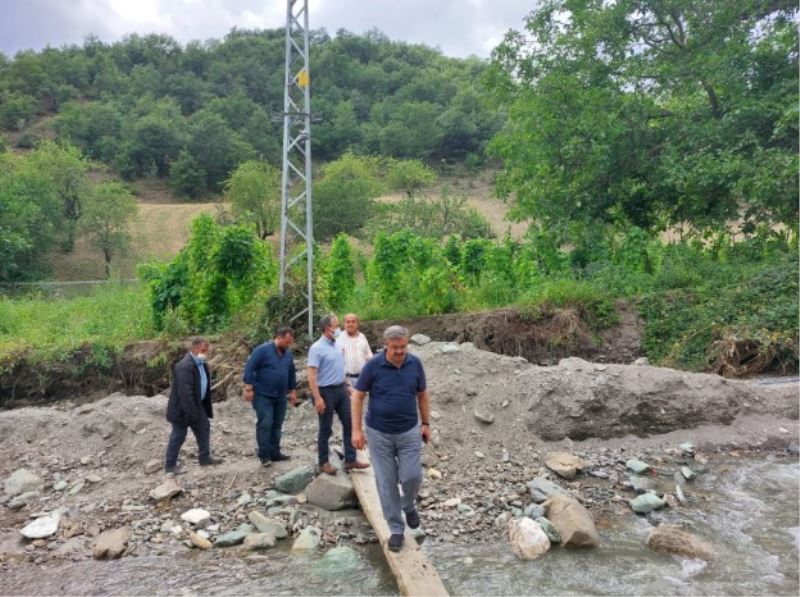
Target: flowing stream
748,510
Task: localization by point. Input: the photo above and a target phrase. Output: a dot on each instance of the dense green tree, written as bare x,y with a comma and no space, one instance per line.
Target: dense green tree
343,196
650,112
216,148
152,139
31,213
254,191
409,176
107,215
186,177
68,171
92,126
16,111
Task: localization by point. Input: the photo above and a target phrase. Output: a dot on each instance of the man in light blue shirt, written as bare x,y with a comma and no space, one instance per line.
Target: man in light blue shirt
329,387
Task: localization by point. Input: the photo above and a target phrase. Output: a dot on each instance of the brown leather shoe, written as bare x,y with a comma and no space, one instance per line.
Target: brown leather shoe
355,465
327,468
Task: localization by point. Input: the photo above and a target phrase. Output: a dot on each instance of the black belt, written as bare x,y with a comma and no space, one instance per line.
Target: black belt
352,374
336,385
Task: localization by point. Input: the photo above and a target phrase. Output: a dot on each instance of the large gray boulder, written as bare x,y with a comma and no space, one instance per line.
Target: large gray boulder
331,492
573,522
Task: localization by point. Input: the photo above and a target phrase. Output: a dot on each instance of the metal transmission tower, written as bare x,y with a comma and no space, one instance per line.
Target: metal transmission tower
297,235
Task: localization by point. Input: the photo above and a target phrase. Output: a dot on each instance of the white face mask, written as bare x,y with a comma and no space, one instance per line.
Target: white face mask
337,332
201,357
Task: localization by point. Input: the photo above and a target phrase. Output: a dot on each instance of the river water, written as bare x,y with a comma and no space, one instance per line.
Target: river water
747,510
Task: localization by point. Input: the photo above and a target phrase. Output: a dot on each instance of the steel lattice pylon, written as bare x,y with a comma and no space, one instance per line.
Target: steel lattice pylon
297,236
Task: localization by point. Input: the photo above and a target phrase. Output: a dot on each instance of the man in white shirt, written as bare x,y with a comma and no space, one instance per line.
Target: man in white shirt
355,347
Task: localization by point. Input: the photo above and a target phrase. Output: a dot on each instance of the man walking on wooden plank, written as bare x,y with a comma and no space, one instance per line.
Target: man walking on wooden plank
398,397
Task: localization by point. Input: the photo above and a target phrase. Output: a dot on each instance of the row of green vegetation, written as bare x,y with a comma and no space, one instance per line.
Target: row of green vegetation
696,298
150,107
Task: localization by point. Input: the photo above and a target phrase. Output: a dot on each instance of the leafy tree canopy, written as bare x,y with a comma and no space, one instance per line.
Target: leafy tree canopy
653,112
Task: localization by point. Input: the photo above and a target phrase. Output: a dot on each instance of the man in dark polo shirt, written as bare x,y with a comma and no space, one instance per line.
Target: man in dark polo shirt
268,376
398,397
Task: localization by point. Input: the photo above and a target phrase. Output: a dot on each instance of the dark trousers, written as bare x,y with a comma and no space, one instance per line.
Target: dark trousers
270,413
336,401
202,433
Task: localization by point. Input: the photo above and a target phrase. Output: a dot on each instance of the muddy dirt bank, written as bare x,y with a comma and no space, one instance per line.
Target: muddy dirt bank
144,367
542,339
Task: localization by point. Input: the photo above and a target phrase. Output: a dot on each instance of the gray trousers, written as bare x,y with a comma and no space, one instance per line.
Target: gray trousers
396,460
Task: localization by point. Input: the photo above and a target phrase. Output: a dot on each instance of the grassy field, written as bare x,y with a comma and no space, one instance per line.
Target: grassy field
162,226
112,316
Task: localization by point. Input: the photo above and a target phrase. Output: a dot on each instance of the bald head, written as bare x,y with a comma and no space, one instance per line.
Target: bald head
351,324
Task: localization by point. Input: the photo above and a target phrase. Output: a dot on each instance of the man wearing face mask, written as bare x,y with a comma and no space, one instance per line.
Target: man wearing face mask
189,406
328,384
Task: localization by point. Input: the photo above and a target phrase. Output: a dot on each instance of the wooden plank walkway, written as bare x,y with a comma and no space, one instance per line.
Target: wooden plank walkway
415,575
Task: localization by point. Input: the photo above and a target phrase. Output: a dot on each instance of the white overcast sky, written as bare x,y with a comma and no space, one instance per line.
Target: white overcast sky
457,27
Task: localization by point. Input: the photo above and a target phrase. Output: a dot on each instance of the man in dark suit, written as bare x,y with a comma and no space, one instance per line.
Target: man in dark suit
189,406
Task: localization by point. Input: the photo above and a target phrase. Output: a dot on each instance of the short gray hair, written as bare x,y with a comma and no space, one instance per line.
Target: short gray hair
198,341
326,322
393,332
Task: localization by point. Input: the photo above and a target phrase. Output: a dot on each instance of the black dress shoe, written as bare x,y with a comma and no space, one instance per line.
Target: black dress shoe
412,519
395,542
281,457
210,461
265,462
174,470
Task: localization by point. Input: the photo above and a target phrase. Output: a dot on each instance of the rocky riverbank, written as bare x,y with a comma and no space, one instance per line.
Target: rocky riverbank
507,437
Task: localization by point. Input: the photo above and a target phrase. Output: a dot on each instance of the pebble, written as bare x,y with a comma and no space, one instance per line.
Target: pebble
199,541
153,466
434,474
42,527
196,516
637,466
482,417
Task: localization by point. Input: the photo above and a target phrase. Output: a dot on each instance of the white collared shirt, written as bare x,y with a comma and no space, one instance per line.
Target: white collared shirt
356,351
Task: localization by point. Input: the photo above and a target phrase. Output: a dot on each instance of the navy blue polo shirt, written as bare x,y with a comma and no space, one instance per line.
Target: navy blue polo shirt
269,373
392,406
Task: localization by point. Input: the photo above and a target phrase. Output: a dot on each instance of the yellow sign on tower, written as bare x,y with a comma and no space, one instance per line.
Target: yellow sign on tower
302,78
